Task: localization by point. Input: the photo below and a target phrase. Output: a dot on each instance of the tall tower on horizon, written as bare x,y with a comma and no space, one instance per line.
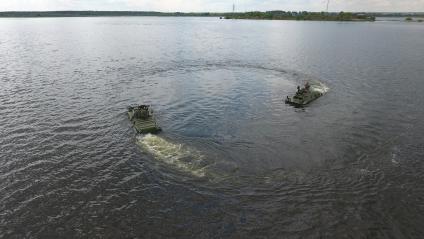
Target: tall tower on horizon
234,7
328,3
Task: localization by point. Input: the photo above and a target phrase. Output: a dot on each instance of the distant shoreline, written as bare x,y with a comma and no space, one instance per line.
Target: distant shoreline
105,14
269,15
303,16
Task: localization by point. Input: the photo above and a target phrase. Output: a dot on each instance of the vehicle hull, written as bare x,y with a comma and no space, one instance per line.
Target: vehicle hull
305,96
144,126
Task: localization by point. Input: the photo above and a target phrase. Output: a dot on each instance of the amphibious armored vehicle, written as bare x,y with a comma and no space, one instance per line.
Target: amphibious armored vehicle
142,118
306,95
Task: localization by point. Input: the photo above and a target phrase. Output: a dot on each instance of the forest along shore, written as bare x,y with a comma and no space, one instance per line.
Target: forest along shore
269,15
303,16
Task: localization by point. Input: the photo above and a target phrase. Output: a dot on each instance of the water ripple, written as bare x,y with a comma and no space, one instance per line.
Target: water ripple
233,161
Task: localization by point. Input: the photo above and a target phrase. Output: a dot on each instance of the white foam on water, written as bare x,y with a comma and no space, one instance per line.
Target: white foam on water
178,156
318,86
395,155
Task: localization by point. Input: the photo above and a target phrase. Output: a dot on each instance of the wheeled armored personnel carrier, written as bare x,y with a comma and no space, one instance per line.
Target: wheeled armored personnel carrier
142,118
306,95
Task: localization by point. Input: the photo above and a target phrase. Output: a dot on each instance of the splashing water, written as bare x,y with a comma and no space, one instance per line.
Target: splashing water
318,86
179,156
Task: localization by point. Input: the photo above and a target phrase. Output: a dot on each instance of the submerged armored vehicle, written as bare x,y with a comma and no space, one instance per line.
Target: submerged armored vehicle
142,118
306,95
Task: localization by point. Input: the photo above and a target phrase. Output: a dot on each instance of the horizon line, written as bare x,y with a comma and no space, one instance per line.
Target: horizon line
28,11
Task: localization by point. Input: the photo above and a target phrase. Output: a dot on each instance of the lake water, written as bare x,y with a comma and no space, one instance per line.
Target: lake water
233,161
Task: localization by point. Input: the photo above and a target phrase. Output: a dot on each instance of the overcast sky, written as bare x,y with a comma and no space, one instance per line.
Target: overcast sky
212,5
